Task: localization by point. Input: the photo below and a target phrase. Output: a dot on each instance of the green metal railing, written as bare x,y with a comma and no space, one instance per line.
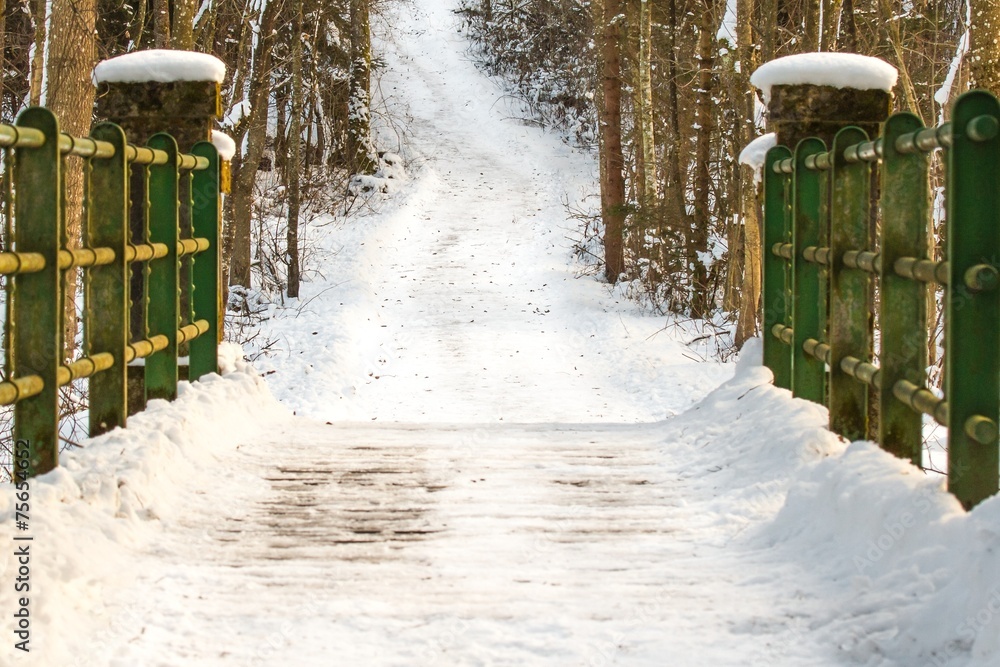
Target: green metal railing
819,268
38,254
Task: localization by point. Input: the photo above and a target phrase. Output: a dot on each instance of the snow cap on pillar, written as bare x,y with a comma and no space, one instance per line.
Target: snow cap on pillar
817,94
161,90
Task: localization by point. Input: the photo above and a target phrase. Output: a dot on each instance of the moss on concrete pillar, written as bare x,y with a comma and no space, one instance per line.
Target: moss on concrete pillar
799,111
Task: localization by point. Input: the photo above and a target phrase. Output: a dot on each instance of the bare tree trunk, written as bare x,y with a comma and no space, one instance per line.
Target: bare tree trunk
676,210
984,53
746,324
613,177
810,38
70,96
182,31
161,24
359,144
245,168
295,159
698,245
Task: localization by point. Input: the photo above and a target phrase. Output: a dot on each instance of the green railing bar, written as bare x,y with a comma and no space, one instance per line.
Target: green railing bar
206,278
921,399
785,166
21,262
85,257
143,252
782,250
922,270
161,282
783,333
190,332
141,349
145,156
775,295
972,366
924,140
106,297
818,350
187,162
191,246
84,367
864,151
863,260
21,137
849,327
84,147
905,207
817,255
12,391
862,371
37,316
819,162
808,284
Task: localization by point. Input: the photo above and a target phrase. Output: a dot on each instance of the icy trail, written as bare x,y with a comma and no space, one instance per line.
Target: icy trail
492,462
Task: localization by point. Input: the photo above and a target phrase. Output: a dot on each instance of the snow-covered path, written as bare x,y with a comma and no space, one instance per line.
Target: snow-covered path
482,458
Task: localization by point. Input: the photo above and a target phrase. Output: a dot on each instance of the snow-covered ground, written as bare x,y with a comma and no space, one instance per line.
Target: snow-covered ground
491,461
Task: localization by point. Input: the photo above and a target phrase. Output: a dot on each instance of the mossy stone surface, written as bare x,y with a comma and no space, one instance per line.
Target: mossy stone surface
799,111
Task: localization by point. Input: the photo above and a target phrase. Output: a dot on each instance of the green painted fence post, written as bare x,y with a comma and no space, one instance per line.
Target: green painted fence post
206,295
162,287
808,286
106,298
905,206
972,350
776,294
37,325
850,321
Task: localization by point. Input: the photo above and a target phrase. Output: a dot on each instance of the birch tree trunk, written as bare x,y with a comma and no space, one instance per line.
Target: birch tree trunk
646,150
38,57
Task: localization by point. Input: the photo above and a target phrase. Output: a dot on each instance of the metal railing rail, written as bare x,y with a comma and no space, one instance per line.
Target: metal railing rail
821,259
39,254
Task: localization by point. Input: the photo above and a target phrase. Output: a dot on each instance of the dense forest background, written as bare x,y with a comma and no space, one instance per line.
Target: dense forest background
661,88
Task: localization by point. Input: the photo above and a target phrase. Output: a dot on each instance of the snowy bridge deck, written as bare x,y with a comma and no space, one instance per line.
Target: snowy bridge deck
495,461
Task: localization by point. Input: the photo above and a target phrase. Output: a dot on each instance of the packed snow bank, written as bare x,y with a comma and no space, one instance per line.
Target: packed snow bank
755,153
905,575
162,65
840,70
114,494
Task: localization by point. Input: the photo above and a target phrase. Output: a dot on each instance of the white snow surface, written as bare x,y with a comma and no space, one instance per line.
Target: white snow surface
224,144
163,65
754,154
462,452
840,70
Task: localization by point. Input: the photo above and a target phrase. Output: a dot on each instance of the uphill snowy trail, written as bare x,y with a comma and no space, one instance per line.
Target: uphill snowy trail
490,512
479,471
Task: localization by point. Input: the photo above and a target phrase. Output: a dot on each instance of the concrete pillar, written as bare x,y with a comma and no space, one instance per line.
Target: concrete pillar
817,94
798,111
147,92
